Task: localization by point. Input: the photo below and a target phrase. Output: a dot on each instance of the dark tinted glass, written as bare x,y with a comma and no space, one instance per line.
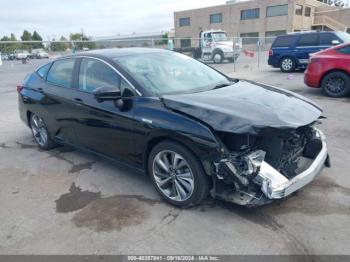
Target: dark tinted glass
42,71
250,14
327,38
283,41
216,18
61,73
308,40
185,21
307,11
344,50
94,74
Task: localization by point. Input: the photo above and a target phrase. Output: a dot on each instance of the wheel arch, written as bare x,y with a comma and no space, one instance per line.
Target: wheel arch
288,56
151,143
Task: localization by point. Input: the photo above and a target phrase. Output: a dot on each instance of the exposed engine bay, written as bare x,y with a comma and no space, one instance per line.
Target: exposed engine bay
255,162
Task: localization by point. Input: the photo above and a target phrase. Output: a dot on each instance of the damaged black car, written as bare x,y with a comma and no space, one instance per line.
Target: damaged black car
193,130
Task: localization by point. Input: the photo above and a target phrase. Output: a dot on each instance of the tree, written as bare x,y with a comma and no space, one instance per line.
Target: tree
8,47
26,36
59,46
81,37
37,37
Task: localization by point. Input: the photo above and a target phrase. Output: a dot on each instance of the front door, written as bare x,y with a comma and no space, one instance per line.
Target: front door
103,126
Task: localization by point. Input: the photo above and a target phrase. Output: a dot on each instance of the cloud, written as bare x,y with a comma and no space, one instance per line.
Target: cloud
97,18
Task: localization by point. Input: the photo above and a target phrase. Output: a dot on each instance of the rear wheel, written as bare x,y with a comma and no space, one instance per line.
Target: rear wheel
40,133
287,65
177,175
336,84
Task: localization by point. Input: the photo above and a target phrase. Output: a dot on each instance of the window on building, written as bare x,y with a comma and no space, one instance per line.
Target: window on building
276,10
327,38
61,73
185,43
215,18
298,9
186,21
307,11
271,35
250,38
308,40
284,41
250,14
344,50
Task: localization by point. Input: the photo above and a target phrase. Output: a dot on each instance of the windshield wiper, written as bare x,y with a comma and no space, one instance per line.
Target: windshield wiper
223,85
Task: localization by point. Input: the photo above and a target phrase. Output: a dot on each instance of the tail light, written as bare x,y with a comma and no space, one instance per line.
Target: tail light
270,52
19,88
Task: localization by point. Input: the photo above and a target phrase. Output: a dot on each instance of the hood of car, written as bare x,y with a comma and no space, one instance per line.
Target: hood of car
246,108
225,43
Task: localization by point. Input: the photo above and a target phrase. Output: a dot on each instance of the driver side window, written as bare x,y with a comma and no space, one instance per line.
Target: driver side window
94,74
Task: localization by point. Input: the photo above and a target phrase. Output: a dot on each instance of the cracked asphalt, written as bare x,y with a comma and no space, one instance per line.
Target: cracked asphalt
71,202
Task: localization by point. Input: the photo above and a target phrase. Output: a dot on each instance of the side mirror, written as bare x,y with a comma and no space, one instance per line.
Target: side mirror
335,42
105,93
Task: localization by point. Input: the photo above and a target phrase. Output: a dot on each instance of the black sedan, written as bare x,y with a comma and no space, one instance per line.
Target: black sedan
193,130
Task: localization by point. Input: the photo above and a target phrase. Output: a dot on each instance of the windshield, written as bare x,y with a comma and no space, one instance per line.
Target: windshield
344,36
219,36
171,73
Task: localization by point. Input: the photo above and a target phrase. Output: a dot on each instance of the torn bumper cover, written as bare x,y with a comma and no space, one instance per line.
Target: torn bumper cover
272,183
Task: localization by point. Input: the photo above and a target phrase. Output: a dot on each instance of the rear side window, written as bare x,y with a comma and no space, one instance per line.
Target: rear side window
327,38
42,71
283,41
344,50
94,74
61,73
308,40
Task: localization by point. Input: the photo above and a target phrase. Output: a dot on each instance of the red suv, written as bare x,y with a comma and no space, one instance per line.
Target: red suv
330,70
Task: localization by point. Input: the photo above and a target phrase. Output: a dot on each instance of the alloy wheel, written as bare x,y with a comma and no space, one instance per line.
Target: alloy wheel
335,84
287,64
39,130
173,175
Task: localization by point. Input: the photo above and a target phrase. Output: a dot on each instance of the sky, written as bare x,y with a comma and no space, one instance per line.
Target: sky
53,18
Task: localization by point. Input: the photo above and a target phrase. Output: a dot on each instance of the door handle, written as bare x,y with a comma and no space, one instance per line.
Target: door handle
79,101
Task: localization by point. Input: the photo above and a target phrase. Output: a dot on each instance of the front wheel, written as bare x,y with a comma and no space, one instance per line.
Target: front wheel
177,175
287,65
218,58
40,133
336,84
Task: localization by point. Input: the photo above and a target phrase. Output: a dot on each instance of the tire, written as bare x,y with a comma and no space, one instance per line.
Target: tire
40,133
183,186
287,65
218,57
336,84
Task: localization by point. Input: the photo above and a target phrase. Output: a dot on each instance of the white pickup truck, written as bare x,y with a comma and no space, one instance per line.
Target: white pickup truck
214,46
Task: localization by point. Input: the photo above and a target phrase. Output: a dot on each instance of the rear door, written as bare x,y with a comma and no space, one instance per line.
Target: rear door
306,45
58,99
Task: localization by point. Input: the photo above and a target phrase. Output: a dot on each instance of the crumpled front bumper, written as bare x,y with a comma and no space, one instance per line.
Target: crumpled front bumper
275,186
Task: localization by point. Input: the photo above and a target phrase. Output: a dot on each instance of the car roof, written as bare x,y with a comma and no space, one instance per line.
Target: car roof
113,53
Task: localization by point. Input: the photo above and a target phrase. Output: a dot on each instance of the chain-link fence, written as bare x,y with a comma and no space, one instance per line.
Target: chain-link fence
243,53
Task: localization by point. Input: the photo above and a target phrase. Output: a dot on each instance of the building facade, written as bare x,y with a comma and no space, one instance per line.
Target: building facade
257,18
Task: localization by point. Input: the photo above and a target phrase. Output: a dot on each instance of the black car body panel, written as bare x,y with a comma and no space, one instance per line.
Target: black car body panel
225,128
246,108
